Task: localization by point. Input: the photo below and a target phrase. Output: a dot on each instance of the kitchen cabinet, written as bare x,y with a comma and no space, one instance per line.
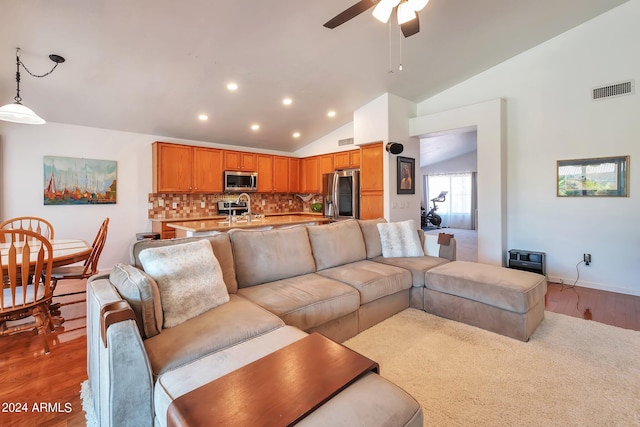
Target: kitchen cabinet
265,173
371,181
310,175
186,169
326,165
281,174
346,159
162,228
207,170
240,161
294,175
172,168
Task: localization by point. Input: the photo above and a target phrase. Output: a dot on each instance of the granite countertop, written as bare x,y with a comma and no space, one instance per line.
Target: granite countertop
178,218
221,225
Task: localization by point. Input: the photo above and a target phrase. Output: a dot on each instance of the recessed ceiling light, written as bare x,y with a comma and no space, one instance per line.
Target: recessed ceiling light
296,134
331,113
255,126
232,86
287,101
203,117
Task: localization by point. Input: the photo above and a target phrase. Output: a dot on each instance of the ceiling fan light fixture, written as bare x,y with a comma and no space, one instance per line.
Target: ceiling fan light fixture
382,13
18,113
418,5
405,13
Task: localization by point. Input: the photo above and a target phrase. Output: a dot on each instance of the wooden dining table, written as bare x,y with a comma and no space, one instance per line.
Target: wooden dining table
65,252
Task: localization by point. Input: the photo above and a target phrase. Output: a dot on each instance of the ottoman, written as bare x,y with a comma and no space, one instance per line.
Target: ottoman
502,300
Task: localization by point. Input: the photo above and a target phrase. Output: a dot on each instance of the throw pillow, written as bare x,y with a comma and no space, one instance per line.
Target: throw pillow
141,292
431,245
189,278
400,239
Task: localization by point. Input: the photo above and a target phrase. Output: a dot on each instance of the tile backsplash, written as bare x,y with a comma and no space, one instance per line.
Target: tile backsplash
179,205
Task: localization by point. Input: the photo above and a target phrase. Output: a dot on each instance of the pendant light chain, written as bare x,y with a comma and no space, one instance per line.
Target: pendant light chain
27,70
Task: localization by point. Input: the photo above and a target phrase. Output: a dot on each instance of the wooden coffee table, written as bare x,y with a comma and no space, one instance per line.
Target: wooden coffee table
277,390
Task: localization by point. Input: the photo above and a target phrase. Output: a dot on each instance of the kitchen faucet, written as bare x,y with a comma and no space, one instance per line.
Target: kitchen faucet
248,205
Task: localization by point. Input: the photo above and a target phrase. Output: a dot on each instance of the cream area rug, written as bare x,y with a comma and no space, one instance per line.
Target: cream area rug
572,372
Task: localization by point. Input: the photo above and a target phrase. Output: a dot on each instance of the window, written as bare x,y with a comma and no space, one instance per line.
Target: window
457,209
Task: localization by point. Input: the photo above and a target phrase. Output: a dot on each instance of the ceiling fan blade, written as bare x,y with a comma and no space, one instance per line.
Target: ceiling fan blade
410,28
350,13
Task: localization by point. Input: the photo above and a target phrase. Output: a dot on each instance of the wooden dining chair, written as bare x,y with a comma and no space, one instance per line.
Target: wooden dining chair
26,282
90,265
29,223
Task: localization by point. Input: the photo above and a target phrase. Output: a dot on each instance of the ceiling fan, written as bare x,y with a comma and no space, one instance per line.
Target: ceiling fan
406,12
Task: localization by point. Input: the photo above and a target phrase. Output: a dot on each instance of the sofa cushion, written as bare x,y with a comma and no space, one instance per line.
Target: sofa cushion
373,280
400,239
141,292
371,235
265,256
505,288
337,244
220,244
189,278
224,326
305,301
418,266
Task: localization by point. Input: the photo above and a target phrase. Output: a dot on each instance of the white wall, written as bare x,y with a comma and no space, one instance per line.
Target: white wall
328,143
550,117
400,207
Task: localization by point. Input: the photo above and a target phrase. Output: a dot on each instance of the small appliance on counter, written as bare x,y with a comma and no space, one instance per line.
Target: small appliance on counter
341,194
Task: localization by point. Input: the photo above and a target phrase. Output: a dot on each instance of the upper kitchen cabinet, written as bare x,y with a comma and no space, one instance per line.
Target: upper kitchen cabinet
265,173
310,175
281,174
172,168
346,159
240,161
326,165
186,169
207,170
294,175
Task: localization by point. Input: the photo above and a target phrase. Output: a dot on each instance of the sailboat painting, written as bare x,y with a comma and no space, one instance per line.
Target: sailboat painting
74,181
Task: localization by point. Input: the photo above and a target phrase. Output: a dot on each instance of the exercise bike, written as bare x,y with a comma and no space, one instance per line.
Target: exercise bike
431,216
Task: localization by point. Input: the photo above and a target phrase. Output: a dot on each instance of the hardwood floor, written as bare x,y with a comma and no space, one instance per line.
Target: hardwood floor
29,376
46,388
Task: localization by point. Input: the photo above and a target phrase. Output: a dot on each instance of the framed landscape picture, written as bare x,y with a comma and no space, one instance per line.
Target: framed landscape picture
597,177
74,181
406,183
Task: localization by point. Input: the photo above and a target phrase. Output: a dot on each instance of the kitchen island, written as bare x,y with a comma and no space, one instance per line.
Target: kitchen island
202,228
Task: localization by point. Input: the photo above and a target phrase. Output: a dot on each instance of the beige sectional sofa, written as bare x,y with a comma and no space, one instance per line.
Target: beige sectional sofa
282,284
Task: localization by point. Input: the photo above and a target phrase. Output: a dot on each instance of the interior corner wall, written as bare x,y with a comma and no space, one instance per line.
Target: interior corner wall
401,207
328,143
551,117
488,117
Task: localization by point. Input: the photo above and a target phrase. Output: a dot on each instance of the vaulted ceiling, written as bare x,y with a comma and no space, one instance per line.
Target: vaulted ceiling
152,66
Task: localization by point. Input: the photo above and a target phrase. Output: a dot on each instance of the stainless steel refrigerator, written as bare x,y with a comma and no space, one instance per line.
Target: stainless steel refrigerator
341,194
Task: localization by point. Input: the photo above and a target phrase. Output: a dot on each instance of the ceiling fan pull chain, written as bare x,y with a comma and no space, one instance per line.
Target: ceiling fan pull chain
400,43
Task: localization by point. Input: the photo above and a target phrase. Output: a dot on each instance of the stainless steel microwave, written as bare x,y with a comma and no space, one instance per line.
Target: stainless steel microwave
240,181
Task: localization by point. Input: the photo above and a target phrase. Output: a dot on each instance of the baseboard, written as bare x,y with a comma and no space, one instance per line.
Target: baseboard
593,285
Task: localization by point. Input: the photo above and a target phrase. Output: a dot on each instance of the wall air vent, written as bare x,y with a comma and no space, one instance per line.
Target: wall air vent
342,142
617,89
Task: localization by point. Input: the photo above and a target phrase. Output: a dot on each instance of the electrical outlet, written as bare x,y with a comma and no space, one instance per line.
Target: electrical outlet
264,202
587,259
203,205
174,205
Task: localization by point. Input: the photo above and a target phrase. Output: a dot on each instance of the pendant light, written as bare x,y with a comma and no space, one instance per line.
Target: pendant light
16,112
